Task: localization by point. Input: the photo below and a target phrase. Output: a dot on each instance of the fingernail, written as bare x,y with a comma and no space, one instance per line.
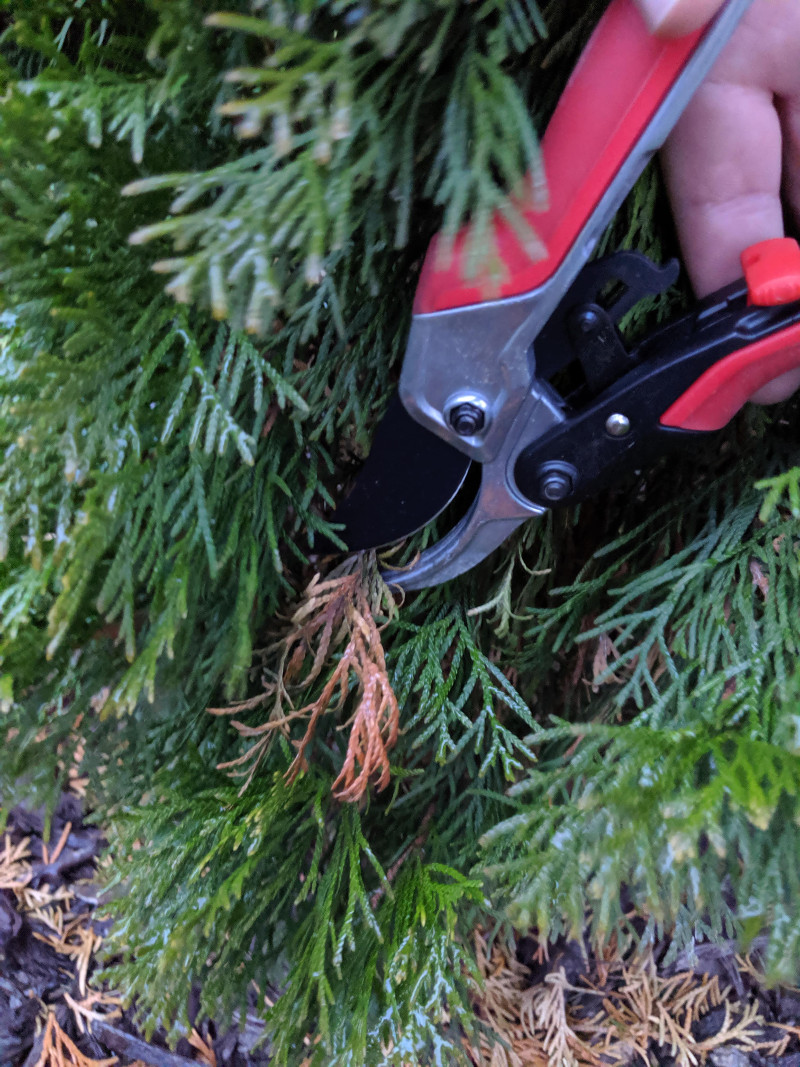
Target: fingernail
656,12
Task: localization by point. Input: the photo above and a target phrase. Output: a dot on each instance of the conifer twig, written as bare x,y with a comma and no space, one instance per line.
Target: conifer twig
409,850
335,611
15,868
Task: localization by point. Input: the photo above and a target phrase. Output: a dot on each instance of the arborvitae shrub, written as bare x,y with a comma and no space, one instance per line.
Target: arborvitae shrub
609,700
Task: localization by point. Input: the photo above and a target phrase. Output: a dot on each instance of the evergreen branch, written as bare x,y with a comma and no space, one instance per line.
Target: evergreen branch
631,672
273,220
458,693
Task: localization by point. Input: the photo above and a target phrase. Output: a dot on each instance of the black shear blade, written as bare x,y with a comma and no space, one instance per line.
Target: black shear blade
408,479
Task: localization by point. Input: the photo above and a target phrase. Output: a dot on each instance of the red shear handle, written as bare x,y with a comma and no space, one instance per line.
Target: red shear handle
718,394
772,273
616,89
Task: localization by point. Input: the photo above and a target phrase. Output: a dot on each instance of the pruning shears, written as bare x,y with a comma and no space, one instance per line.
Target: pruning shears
482,385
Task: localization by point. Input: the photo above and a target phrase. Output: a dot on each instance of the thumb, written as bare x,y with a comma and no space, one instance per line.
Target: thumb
673,18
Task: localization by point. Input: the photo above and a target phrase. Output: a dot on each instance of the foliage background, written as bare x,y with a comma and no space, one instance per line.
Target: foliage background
610,701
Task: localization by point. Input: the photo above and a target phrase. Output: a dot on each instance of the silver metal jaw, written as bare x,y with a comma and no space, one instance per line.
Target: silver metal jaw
494,515
496,512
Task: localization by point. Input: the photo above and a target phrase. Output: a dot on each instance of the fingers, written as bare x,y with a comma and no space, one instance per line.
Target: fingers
724,161
673,18
723,169
789,110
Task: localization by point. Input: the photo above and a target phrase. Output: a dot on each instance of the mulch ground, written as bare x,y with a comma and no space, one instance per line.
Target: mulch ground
566,1007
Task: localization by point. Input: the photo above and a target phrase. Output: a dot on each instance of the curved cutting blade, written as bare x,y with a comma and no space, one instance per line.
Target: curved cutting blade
494,515
409,477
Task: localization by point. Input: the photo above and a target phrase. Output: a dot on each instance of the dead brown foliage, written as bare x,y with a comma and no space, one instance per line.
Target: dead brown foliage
335,617
15,868
613,1017
59,1051
70,935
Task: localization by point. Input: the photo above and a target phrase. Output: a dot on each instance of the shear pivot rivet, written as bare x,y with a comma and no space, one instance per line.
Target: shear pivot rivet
467,419
557,481
556,486
618,425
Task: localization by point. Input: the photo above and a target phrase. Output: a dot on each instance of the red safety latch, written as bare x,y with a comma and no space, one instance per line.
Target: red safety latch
772,272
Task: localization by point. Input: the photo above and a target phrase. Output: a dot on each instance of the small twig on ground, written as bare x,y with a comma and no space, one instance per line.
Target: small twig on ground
134,1048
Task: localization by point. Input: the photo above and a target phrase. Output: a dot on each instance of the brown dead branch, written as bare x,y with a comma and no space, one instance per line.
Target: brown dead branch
336,612
80,949
86,1011
46,856
59,1051
604,650
202,1047
760,578
70,936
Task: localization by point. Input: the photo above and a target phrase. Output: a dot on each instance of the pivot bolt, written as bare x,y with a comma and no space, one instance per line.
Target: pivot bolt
618,425
467,419
587,320
557,485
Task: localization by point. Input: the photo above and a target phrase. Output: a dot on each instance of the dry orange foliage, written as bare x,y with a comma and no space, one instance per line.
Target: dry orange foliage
338,613
15,868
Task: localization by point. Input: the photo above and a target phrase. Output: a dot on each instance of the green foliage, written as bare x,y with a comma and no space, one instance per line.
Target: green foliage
700,662
672,814
610,702
292,895
357,115
459,696
783,490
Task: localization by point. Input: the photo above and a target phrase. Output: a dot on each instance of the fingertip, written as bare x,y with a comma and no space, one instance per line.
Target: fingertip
778,389
676,18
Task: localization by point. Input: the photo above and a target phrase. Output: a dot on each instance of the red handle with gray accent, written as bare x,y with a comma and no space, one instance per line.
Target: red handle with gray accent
621,79
688,378
471,336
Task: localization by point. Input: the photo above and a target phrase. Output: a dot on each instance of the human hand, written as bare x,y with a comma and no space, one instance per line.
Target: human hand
736,145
